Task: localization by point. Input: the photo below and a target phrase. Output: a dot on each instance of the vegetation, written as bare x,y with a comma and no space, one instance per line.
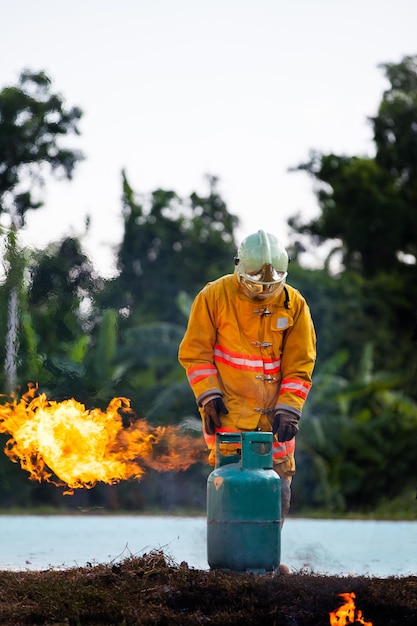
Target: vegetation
33,120
79,335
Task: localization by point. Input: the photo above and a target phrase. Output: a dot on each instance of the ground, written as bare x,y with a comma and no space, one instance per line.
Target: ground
153,590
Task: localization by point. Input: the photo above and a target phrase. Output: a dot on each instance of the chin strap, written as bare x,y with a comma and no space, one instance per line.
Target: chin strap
287,299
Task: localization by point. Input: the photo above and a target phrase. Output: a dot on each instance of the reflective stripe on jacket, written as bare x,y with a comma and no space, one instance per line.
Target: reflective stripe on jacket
258,355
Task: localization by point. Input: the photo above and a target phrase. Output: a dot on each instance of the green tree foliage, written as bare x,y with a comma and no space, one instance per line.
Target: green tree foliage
361,206
395,136
369,204
362,412
56,318
350,310
33,119
358,438
170,246
61,280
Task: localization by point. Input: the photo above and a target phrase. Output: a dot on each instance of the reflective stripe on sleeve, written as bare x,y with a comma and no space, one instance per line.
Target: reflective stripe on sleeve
200,371
296,386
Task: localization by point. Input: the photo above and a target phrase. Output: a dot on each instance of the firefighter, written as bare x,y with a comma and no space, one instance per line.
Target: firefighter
249,352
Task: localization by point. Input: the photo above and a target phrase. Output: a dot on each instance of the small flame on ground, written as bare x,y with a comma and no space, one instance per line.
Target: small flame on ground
347,613
65,444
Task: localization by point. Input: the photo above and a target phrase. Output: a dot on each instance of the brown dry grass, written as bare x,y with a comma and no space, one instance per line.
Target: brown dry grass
153,590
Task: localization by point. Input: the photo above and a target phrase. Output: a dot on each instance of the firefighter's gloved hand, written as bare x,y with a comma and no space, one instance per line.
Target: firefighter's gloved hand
285,425
212,410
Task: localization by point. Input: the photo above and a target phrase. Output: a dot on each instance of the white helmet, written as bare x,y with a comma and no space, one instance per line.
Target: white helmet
261,265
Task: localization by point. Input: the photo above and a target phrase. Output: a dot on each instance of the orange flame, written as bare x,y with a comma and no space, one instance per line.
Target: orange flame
347,613
65,444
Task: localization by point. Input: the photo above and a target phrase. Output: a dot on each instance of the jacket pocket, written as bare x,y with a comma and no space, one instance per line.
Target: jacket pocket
281,322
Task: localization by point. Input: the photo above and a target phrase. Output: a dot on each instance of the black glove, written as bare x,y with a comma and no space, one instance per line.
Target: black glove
285,424
212,410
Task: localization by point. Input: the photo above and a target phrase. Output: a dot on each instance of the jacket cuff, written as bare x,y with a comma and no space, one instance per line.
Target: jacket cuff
205,397
288,409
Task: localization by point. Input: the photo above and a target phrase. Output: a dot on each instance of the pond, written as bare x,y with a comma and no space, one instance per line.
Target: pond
371,548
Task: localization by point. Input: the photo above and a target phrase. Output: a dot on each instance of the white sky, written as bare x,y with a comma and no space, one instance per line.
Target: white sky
175,89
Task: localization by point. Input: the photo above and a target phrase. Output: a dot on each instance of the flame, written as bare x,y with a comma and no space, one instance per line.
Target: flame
347,613
65,444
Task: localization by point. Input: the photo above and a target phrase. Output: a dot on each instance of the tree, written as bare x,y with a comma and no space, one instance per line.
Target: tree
57,314
395,130
62,279
349,310
368,208
170,246
358,201
351,429
369,204
361,413
32,120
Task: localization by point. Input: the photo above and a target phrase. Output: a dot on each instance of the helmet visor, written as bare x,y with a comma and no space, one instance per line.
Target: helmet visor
267,275
263,282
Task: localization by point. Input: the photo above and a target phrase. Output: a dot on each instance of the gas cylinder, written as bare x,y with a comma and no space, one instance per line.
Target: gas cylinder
244,505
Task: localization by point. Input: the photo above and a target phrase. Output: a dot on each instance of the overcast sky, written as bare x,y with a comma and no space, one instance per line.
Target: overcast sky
173,90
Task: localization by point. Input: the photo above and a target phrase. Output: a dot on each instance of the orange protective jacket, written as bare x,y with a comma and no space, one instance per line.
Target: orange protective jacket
258,355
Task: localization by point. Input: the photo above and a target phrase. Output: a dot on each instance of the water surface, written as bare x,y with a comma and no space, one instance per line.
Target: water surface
373,548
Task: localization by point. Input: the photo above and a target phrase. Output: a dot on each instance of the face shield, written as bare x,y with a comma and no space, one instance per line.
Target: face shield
263,283
261,265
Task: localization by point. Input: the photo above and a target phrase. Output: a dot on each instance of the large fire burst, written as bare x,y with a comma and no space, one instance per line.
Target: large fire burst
68,445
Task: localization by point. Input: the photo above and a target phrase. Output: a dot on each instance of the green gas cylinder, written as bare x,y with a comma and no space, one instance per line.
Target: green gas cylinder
244,505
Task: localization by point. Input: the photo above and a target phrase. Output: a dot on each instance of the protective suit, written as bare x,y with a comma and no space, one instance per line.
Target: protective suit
250,340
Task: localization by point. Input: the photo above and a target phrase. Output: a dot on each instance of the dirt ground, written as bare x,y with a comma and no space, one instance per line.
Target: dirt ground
153,590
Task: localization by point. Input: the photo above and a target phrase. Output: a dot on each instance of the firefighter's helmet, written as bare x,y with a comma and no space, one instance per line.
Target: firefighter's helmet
261,265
